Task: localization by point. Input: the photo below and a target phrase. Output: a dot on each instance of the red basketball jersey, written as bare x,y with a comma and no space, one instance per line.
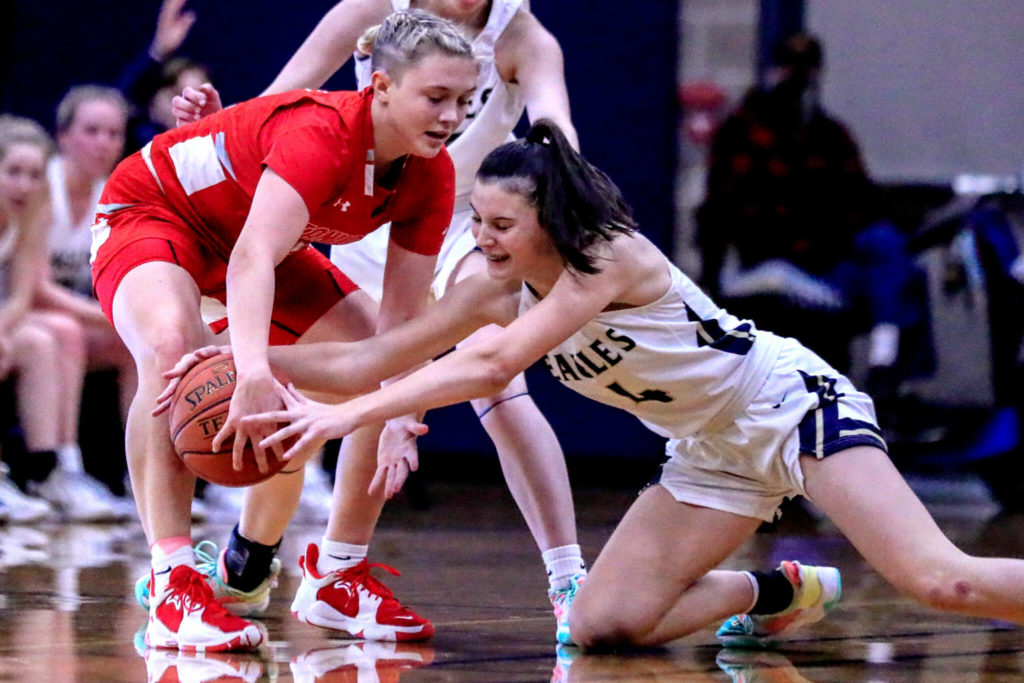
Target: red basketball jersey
317,142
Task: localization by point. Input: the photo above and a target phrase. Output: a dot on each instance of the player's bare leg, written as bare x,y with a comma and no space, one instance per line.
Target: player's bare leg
338,567
533,464
156,313
671,549
867,498
531,457
270,506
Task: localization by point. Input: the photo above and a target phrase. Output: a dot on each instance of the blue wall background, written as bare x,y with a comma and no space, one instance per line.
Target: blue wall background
620,68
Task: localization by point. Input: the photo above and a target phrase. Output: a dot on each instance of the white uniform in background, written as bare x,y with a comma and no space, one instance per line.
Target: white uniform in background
496,109
738,405
70,242
8,240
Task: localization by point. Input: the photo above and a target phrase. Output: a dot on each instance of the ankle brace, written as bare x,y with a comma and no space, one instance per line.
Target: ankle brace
247,562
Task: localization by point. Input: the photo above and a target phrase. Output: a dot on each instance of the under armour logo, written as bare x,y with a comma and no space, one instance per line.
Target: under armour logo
341,204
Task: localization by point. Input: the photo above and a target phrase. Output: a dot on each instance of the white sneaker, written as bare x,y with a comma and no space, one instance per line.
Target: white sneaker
18,508
79,497
354,602
816,591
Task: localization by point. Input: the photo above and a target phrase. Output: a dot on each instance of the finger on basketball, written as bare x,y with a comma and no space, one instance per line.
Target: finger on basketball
227,430
276,448
261,458
238,451
163,401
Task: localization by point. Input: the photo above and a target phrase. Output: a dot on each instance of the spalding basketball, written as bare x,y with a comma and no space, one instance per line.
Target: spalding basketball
198,410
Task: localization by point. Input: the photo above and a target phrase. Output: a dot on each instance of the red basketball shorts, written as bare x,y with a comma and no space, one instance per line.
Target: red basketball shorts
144,229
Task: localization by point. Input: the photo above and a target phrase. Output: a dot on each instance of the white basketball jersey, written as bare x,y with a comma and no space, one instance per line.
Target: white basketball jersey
8,241
496,108
70,242
680,364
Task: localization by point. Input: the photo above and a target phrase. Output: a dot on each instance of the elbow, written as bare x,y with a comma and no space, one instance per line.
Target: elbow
247,257
496,372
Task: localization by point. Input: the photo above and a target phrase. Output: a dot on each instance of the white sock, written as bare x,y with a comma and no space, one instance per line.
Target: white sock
338,555
563,563
164,563
69,458
755,587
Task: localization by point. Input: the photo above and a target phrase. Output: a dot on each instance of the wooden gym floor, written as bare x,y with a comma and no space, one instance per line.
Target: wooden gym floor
67,611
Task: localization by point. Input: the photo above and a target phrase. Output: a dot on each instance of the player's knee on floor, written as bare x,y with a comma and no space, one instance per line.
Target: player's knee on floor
604,626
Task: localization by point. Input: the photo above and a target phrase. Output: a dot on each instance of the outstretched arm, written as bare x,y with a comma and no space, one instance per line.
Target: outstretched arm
349,368
474,371
330,44
346,369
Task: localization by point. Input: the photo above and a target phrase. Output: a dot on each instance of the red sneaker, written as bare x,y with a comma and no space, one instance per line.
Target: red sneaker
354,602
188,617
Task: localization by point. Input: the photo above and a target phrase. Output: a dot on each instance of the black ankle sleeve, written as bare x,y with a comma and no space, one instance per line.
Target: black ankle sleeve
247,562
775,592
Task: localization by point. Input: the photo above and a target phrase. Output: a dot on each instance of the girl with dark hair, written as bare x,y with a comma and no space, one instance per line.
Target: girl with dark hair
751,418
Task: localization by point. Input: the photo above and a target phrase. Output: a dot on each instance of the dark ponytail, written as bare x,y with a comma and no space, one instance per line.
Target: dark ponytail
576,202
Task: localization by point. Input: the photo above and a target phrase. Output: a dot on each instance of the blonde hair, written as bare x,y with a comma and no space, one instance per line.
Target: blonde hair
405,37
79,95
16,130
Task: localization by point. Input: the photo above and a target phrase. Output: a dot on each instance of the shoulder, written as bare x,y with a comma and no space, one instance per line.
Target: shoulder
635,267
302,112
524,40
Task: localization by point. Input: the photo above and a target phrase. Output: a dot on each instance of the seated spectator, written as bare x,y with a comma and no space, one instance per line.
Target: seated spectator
42,351
90,138
153,79
790,213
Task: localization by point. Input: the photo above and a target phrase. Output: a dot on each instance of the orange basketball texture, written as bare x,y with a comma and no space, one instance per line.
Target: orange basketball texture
198,410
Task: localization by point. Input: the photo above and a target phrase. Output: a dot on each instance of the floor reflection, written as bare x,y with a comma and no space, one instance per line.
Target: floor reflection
67,610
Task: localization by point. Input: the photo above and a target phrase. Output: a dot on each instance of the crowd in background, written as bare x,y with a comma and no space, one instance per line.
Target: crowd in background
56,346
790,215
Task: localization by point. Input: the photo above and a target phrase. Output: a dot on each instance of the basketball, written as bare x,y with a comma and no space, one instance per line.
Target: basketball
198,410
